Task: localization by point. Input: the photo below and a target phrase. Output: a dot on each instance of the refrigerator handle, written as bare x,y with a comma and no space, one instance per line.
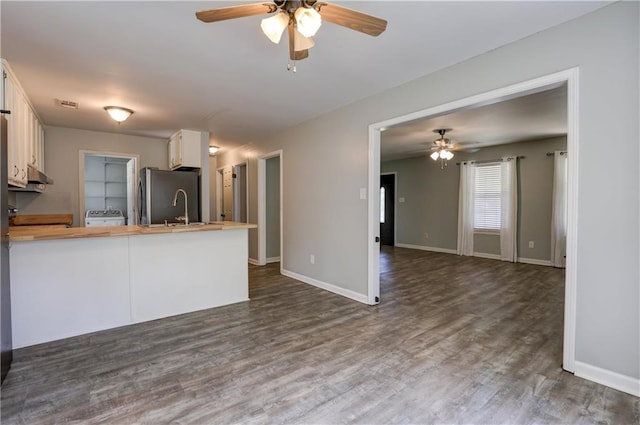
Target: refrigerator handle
140,200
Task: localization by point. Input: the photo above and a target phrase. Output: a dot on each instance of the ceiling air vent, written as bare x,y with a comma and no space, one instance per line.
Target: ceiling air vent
70,104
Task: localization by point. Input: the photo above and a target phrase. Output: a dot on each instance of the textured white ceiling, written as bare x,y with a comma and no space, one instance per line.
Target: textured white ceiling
177,72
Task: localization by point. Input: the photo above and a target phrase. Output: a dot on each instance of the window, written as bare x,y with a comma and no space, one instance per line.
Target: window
488,188
382,212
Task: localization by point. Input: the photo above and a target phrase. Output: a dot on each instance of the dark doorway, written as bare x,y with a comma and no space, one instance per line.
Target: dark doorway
387,209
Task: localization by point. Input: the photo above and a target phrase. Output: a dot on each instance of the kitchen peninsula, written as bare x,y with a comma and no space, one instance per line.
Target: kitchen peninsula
72,281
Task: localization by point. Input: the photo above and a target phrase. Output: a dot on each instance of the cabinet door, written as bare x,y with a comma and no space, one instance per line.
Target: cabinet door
171,153
23,142
12,119
16,152
40,146
179,148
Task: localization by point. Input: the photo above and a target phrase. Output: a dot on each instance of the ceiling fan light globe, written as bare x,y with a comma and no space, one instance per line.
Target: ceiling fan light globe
274,26
301,42
449,155
308,21
443,154
435,155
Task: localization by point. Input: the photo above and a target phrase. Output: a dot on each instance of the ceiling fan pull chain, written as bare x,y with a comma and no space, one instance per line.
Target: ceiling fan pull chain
291,67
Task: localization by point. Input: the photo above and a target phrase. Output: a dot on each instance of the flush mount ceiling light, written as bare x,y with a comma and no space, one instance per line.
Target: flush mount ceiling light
442,148
303,18
118,113
213,150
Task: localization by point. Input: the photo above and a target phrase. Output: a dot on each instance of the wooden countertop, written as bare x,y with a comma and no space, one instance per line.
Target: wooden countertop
38,233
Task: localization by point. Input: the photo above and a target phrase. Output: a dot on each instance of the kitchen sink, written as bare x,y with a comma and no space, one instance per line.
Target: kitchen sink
193,224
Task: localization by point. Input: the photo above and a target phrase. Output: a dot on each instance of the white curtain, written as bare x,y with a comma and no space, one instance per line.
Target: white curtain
559,210
509,210
465,208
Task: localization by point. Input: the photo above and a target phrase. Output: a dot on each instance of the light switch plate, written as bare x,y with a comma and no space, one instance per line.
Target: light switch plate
363,193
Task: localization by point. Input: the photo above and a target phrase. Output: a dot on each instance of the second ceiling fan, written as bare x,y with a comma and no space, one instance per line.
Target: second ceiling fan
301,18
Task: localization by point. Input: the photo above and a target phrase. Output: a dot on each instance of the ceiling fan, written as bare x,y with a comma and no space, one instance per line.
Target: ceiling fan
302,18
442,148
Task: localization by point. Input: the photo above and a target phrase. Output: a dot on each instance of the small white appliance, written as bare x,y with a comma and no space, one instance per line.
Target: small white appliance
108,217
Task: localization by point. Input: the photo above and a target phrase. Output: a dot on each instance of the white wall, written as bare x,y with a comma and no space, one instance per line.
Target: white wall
325,165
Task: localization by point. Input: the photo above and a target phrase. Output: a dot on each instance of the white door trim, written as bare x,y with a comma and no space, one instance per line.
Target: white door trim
82,153
570,77
262,207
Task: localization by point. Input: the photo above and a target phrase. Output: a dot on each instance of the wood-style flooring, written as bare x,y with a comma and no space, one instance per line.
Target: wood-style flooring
456,340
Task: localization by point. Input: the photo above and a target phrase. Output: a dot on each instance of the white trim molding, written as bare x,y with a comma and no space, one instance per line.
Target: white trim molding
486,255
273,260
570,78
361,298
262,205
608,378
426,248
534,261
254,262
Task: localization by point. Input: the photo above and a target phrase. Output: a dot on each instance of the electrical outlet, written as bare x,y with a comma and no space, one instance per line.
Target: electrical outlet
401,200
312,259
532,244
426,235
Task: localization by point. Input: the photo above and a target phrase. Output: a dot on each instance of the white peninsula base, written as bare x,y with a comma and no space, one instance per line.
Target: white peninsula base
67,287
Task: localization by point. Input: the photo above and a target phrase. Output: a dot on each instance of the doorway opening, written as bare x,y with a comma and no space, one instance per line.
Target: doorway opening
108,181
270,200
232,193
240,193
568,77
388,209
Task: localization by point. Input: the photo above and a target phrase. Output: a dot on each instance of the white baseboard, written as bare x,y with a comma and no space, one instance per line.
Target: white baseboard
273,260
426,248
534,261
485,255
326,286
608,378
254,261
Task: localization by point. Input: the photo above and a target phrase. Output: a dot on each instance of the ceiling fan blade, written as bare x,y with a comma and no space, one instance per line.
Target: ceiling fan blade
350,18
295,55
233,12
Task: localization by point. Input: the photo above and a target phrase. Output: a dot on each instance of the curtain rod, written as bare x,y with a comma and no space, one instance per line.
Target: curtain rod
484,161
552,153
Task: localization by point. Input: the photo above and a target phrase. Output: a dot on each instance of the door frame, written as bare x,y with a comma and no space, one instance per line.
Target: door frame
246,183
219,188
569,77
262,207
395,203
82,153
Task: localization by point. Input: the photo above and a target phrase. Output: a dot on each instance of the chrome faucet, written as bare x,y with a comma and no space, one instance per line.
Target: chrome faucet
185,217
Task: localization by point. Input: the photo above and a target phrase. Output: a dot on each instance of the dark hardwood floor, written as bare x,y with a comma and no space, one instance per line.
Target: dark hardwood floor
455,340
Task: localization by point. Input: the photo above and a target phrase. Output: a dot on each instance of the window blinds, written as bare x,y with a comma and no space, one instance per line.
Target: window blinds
487,206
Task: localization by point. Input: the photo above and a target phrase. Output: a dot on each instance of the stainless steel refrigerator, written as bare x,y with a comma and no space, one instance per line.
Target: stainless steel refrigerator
156,192
5,289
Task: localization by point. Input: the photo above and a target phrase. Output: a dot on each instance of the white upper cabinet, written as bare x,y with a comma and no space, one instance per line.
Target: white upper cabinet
185,150
25,131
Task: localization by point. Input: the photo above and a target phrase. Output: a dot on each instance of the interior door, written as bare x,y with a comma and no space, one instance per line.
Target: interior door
227,193
240,193
387,209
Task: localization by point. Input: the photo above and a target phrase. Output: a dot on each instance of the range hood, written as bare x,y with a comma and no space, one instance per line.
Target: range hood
35,176
36,182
